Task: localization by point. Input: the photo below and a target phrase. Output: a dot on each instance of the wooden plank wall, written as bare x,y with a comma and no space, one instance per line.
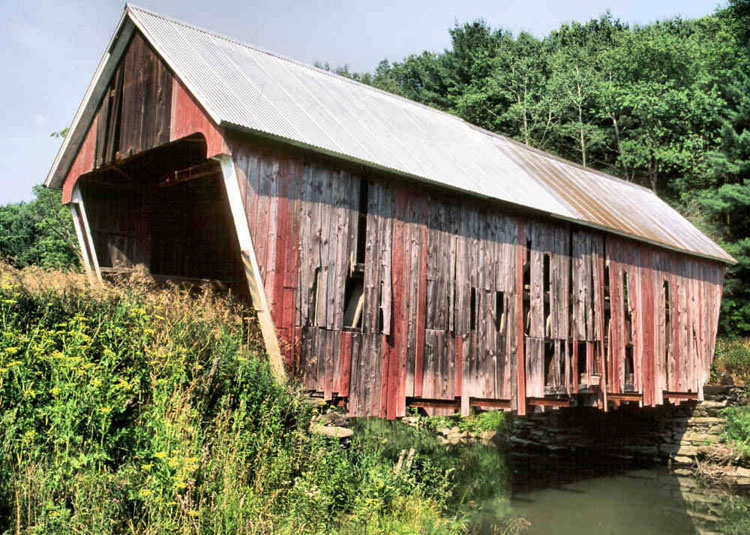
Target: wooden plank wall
455,293
135,112
183,230
144,107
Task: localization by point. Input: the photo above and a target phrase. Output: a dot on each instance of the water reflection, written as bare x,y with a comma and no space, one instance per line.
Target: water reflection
582,493
643,501
559,492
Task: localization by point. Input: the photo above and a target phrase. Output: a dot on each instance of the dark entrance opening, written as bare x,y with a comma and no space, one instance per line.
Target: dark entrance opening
165,210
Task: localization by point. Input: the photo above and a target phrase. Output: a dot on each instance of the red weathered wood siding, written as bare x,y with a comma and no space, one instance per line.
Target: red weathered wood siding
462,302
144,107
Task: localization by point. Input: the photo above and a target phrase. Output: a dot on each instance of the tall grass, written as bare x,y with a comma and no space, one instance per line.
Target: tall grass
129,410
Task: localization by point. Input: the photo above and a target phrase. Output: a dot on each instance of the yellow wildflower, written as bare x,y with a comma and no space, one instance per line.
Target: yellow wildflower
122,383
160,454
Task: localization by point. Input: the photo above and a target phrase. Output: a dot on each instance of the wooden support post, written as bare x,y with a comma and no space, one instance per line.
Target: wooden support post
549,402
681,395
456,402
433,403
624,396
85,241
519,320
602,347
252,270
490,403
461,388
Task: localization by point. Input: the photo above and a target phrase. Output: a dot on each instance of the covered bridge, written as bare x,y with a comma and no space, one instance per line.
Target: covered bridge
396,255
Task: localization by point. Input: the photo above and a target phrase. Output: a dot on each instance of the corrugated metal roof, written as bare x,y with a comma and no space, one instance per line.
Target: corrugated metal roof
245,87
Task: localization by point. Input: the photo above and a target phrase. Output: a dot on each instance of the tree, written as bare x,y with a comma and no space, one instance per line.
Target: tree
666,105
574,83
39,232
728,206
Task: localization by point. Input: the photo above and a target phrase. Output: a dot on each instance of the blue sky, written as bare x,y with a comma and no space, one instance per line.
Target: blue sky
49,49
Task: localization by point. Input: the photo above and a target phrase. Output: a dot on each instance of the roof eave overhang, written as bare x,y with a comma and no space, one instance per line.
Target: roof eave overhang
260,133
87,109
111,58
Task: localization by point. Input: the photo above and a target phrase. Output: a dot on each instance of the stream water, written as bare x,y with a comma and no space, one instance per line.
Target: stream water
557,492
632,502
578,494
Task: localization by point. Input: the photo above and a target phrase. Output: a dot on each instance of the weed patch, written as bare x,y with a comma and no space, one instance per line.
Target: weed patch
732,356
129,410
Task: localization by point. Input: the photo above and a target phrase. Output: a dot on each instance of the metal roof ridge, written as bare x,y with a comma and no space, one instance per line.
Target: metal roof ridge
132,7
135,17
563,160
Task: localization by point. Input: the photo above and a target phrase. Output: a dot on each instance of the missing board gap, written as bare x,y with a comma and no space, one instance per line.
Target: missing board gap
667,322
354,299
500,312
582,364
312,314
547,295
626,303
362,223
550,369
629,369
473,310
526,290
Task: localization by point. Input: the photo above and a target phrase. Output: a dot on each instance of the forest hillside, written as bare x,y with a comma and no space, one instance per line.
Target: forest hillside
665,105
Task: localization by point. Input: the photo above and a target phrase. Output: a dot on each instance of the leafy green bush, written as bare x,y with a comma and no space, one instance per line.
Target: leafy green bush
475,423
39,232
737,427
733,356
485,421
128,410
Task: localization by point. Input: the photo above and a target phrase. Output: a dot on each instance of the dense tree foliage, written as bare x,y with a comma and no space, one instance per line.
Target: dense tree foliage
666,105
39,232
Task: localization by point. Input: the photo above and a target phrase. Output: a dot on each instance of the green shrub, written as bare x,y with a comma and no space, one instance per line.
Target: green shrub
475,423
39,232
733,356
485,421
128,410
737,427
